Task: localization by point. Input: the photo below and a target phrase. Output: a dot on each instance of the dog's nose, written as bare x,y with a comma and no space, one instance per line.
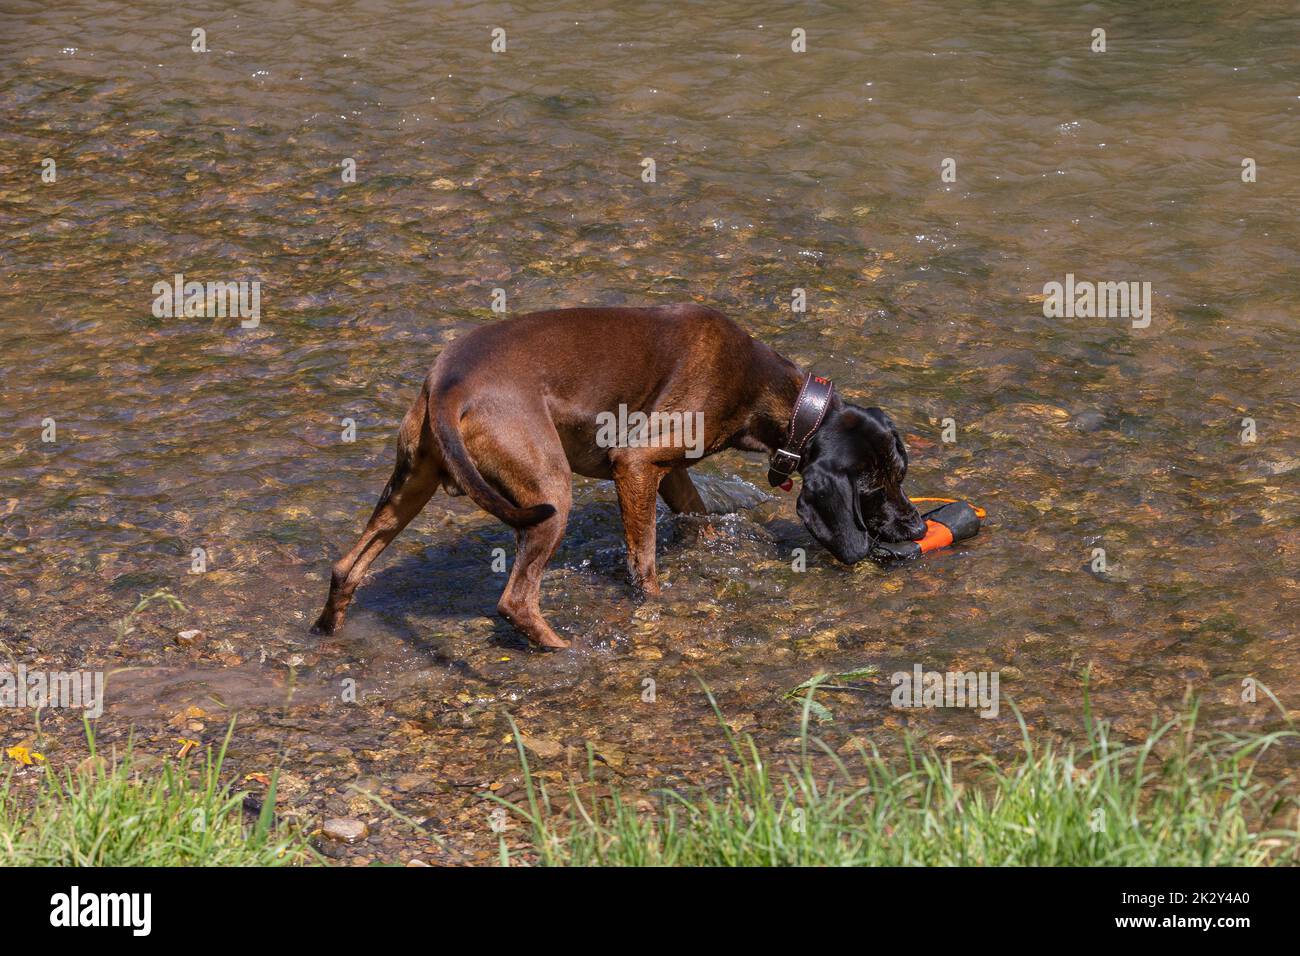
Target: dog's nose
916,527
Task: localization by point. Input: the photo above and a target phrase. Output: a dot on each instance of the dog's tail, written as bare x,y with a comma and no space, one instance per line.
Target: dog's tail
446,427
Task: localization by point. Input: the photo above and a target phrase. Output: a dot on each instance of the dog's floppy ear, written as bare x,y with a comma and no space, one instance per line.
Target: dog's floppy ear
828,507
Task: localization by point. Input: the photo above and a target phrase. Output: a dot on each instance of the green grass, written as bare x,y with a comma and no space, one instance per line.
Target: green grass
109,815
1179,798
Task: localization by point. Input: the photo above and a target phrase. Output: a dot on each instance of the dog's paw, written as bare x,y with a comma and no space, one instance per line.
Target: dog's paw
326,624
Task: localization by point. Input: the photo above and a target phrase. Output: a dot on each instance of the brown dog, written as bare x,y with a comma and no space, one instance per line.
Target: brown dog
509,412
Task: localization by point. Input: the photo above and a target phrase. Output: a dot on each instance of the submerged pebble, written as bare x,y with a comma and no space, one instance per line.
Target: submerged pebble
345,830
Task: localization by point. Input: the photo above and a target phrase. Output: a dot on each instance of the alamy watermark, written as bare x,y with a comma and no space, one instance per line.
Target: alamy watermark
211,300
626,429
75,908
1074,299
76,690
974,689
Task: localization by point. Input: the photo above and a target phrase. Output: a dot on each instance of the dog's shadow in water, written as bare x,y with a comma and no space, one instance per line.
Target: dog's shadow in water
461,574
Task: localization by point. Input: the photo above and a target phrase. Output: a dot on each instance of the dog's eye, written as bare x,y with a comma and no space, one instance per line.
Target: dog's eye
865,487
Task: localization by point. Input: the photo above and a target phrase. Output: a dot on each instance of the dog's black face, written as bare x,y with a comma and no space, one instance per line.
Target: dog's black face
852,492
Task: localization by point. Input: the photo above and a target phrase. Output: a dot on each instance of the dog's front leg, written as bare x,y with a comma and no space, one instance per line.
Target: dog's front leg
637,484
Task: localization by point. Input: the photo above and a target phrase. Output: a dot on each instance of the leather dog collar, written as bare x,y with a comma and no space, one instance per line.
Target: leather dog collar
806,417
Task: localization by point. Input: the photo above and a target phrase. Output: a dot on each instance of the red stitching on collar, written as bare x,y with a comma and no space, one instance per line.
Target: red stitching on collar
794,412
794,415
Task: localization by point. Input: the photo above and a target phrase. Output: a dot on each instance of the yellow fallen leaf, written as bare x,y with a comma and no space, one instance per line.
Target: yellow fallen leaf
24,755
186,746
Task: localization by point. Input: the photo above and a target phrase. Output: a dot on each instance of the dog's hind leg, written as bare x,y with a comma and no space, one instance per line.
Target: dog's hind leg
520,602
518,452
414,480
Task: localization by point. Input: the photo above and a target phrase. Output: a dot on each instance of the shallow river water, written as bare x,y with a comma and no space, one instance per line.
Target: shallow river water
523,171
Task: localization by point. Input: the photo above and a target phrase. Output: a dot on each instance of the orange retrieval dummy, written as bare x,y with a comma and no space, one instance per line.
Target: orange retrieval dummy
951,521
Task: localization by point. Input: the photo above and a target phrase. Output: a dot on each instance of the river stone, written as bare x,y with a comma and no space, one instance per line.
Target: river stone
143,762
541,747
92,765
409,781
1089,421
345,830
